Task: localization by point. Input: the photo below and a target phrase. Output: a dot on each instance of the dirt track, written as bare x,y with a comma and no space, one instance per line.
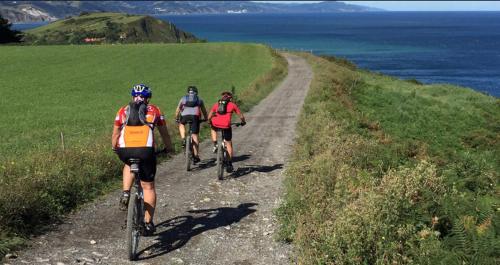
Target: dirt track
199,219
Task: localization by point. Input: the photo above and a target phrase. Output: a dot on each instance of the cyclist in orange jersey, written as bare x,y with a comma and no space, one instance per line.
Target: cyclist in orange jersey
133,137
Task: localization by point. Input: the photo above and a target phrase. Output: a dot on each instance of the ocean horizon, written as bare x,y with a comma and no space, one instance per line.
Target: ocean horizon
458,48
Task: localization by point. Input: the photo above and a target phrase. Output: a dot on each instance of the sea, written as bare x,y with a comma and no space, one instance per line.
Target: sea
460,48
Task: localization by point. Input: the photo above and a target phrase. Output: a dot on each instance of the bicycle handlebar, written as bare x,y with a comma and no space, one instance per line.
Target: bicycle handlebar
238,124
200,120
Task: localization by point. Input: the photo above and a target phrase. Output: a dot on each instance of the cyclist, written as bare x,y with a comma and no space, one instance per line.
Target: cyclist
190,108
133,137
220,118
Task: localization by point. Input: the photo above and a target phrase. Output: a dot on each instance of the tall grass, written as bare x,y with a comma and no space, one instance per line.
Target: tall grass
392,172
76,90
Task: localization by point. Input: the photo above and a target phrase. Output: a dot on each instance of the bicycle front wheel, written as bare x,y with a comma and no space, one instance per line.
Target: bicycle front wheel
133,225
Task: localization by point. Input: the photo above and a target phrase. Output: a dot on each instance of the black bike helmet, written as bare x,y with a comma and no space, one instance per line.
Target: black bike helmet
226,95
192,89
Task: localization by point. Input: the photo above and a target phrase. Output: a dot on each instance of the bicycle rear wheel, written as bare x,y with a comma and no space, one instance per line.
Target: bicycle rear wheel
220,159
188,152
133,224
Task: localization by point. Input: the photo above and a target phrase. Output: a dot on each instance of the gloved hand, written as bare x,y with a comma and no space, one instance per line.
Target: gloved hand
177,120
243,123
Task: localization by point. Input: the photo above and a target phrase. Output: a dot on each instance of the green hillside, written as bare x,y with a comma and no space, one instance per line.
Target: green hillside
108,28
387,171
76,91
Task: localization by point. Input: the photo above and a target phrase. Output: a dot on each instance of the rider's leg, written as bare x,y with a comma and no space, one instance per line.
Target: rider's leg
127,178
195,144
148,186
213,135
228,136
127,184
229,147
149,200
195,129
182,131
229,165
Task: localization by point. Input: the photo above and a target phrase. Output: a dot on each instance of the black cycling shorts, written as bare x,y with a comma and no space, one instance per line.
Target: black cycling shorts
195,122
227,134
147,167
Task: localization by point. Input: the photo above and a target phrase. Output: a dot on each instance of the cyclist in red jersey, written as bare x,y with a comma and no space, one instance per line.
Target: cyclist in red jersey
132,143
222,120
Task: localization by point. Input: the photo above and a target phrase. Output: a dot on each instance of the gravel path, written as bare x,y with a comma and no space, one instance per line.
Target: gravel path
199,219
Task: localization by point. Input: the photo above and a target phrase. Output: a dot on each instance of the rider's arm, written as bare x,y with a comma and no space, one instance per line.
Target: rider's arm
116,129
165,136
115,136
162,129
239,113
242,118
177,112
178,109
209,118
212,112
204,111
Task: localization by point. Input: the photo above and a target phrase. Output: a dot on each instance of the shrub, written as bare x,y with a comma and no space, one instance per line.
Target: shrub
385,174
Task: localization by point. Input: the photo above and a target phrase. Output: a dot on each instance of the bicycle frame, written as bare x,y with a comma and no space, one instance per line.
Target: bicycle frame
189,151
221,155
135,214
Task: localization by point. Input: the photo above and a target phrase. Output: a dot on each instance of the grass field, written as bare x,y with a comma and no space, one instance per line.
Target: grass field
387,171
76,91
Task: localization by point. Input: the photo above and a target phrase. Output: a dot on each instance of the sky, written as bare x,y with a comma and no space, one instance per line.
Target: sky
421,5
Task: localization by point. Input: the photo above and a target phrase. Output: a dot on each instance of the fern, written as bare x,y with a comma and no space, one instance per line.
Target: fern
484,211
474,241
458,238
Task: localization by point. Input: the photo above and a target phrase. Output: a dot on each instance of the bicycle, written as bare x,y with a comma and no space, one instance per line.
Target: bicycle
188,151
135,212
222,154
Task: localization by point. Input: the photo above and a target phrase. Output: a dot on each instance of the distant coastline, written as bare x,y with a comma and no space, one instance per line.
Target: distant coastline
430,52
34,11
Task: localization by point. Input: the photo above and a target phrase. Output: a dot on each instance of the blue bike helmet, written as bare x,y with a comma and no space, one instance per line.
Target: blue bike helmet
141,90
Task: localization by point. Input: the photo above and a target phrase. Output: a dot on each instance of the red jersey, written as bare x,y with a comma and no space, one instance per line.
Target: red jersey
223,121
153,116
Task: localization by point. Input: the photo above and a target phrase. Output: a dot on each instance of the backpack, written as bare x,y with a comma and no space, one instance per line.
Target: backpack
135,114
222,107
137,131
192,100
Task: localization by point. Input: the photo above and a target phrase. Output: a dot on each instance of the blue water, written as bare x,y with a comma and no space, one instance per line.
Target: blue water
461,48
25,26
